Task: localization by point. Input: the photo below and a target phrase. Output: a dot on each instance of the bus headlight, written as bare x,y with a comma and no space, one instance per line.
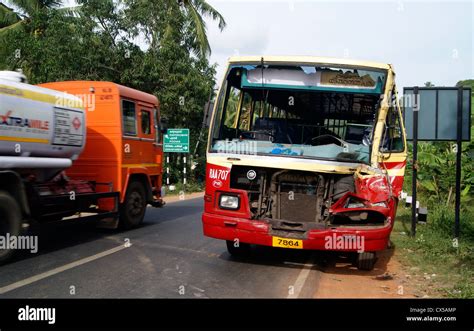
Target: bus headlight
229,201
380,204
354,203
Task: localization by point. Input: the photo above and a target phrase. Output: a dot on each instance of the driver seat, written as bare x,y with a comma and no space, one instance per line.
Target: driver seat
277,127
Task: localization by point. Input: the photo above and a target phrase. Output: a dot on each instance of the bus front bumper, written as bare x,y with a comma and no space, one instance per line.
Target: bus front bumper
258,232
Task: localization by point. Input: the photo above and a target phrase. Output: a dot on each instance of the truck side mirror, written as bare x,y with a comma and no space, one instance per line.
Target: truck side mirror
164,125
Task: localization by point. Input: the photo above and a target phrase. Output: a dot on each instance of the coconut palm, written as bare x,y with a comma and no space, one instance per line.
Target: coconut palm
24,10
8,17
195,10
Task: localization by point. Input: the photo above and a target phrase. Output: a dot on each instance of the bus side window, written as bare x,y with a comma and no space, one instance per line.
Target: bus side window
129,119
230,113
393,135
217,115
245,112
232,110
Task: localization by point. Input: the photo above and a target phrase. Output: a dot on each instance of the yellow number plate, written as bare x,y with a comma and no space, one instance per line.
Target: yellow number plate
287,243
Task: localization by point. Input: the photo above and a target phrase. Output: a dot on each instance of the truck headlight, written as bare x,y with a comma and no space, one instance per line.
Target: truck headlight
229,201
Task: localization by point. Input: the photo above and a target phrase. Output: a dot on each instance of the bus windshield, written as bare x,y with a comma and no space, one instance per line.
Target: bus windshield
311,112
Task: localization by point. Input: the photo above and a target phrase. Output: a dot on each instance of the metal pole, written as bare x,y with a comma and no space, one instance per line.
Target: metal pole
167,170
458,165
414,163
184,170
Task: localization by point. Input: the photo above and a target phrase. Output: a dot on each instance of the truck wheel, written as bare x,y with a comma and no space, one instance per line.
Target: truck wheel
366,261
132,211
239,251
10,222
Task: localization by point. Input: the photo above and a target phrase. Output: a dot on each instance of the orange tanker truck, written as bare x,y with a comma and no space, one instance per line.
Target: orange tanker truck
77,150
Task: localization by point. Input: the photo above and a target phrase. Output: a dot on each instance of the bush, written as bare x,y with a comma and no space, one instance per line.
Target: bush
190,187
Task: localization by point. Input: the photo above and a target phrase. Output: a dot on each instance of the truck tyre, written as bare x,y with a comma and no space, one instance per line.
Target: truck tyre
366,261
10,222
239,251
132,210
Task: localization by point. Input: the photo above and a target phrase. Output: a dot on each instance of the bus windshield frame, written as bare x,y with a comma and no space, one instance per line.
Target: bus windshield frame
298,111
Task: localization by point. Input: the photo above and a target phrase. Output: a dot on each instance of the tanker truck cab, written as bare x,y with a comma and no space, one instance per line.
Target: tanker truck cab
92,156
305,153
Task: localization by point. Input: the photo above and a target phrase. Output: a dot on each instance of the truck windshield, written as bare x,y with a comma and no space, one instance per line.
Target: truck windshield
298,111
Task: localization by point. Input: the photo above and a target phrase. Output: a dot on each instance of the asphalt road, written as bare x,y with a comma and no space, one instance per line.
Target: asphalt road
168,257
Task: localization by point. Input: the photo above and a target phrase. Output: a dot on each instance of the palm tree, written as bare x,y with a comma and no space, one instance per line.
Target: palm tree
8,17
19,16
194,11
11,19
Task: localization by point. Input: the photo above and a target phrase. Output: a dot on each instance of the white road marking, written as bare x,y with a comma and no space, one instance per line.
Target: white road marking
301,279
58,270
299,264
197,288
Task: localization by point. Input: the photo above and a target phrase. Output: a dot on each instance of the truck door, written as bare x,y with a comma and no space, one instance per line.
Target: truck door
158,144
146,135
151,157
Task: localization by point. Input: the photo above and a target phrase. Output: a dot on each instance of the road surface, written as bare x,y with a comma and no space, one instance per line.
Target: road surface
168,257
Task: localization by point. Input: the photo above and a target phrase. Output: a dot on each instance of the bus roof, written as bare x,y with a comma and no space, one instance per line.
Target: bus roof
309,60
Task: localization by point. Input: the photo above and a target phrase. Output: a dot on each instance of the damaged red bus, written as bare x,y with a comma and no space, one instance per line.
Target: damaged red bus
305,153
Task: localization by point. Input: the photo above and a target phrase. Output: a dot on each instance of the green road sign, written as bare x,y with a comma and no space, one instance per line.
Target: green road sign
176,141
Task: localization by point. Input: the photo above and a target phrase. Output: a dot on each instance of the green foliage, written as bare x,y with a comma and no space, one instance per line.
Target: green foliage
98,41
190,187
8,17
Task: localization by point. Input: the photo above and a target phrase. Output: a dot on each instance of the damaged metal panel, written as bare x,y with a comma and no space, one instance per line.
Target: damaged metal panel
298,201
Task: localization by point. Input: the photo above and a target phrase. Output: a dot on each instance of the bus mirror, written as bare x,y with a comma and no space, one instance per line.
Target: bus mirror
207,114
164,125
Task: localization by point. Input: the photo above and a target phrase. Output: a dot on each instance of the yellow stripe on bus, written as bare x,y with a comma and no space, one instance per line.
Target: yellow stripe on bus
396,172
25,140
396,158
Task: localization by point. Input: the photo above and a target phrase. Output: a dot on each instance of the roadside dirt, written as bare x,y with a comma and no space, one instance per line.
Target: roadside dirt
388,279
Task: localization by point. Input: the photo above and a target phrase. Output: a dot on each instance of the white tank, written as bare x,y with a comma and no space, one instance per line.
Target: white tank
15,76
39,127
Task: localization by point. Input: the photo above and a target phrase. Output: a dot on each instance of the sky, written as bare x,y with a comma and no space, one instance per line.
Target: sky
425,41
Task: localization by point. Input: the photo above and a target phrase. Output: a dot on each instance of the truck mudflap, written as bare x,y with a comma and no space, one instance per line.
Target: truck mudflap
259,232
